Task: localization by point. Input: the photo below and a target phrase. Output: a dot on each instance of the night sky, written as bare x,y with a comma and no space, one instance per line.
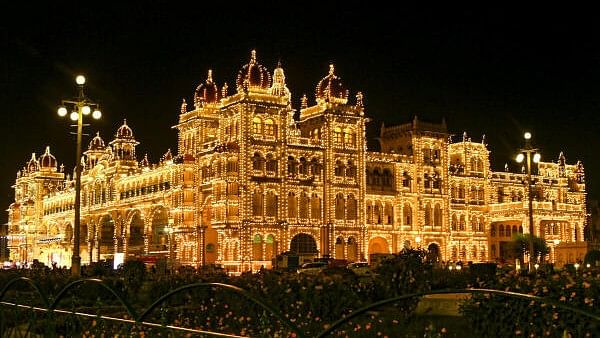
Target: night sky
497,72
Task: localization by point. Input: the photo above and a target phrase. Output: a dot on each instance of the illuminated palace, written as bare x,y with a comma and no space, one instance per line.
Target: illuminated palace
250,180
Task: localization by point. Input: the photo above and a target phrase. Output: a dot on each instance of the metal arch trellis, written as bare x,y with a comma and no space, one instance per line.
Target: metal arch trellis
138,320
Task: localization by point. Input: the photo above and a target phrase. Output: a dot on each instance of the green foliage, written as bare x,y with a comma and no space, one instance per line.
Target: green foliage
592,258
519,245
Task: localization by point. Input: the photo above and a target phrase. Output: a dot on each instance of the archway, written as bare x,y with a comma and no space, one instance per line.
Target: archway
135,241
304,244
107,234
339,248
378,245
433,253
68,233
352,249
159,232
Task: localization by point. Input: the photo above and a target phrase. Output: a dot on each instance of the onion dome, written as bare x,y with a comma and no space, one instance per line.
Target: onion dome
279,88
124,132
253,75
33,164
206,92
97,143
331,89
47,160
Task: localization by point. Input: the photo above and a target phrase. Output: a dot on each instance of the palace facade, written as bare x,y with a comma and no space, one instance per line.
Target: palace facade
250,180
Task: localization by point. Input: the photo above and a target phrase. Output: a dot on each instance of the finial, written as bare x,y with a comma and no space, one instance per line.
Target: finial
183,106
304,102
483,139
62,167
359,99
47,150
279,63
209,78
464,136
506,167
253,56
224,90
331,69
124,122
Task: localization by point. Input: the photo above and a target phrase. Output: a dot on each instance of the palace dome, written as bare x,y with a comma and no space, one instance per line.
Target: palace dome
206,92
124,131
253,75
97,143
47,160
33,164
331,88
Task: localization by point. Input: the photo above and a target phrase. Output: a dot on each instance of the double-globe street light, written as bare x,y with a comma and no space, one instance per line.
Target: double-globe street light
529,154
80,107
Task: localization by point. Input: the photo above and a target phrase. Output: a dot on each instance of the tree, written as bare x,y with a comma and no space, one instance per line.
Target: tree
519,246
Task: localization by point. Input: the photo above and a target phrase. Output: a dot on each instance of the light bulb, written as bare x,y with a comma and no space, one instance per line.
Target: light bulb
62,111
96,114
85,110
536,158
527,135
520,158
74,116
80,80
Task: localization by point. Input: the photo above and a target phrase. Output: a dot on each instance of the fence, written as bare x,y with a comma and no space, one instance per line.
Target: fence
33,314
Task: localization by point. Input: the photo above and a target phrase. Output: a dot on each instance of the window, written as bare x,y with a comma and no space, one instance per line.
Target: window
292,166
407,213
304,205
258,162
352,208
315,207
351,170
454,223
271,202
428,214
292,206
339,206
349,137
269,128
257,125
257,203
271,164
437,216
339,168
337,135
406,180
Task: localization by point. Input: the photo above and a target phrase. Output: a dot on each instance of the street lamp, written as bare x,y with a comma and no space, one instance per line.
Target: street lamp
529,154
79,107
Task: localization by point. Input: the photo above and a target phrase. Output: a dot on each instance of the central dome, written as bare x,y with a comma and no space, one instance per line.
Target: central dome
47,160
331,88
253,75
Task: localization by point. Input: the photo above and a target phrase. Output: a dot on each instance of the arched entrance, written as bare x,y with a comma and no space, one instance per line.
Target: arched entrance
135,240
433,253
352,249
305,246
159,240
107,234
378,245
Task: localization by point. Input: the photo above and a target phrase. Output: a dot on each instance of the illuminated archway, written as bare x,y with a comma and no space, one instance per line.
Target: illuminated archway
304,244
378,245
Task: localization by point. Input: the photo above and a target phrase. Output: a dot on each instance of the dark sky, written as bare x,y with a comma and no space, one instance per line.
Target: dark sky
496,72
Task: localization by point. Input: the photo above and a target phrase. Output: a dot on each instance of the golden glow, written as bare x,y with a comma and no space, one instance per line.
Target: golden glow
86,110
74,116
301,177
62,111
520,158
80,80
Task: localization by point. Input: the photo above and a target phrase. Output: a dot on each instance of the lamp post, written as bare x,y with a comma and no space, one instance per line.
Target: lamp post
529,154
79,106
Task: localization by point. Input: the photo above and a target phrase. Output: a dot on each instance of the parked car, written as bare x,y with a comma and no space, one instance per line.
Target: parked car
360,268
312,268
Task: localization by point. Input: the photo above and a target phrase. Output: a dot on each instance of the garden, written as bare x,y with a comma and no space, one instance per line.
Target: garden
273,303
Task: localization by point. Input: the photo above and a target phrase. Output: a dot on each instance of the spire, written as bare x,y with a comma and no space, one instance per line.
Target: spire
359,99
224,90
464,136
183,106
253,57
209,77
304,102
331,69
